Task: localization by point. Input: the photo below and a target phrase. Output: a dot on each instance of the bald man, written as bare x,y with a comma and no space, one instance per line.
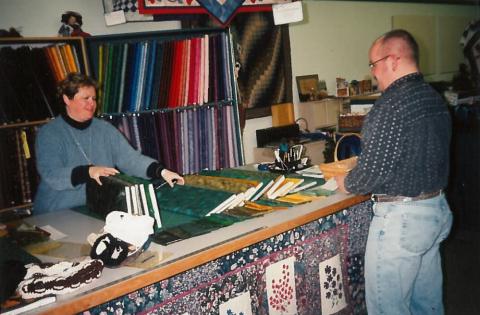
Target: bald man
404,165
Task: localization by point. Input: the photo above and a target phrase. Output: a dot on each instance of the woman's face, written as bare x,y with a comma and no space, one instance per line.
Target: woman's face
83,105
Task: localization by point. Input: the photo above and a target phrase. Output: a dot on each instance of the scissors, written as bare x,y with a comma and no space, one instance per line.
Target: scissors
174,181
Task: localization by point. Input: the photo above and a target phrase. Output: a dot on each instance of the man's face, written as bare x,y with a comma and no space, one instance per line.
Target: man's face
82,107
379,66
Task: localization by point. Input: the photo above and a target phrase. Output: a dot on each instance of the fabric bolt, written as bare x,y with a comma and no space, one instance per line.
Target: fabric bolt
150,69
201,75
142,75
136,130
131,131
171,139
191,152
177,139
143,130
150,133
157,75
160,122
230,136
389,250
192,69
226,147
125,129
155,132
219,129
197,136
227,68
184,133
224,58
129,73
215,78
209,126
406,136
214,130
57,155
167,139
205,133
206,70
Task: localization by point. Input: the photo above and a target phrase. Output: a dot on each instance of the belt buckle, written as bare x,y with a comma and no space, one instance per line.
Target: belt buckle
373,197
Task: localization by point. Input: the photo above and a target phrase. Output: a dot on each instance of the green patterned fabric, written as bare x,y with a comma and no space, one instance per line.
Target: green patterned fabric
187,200
229,184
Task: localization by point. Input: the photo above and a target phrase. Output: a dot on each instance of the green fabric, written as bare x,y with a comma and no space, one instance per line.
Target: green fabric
191,201
273,203
316,191
229,184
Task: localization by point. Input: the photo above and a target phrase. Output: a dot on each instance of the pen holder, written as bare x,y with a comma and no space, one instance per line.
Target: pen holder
288,167
289,161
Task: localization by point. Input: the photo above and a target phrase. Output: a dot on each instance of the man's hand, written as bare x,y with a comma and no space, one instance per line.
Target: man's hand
172,178
341,183
96,171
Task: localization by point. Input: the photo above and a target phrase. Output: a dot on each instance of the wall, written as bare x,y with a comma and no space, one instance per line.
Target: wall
332,41
335,36
42,17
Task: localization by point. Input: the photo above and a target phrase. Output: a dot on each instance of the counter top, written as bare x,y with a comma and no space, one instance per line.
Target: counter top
179,256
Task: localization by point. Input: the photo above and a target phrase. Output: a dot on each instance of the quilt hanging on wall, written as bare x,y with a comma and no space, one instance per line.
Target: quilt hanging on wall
129,7
263,61
222,10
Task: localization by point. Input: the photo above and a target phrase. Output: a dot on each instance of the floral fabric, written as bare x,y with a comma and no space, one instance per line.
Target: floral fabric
202,289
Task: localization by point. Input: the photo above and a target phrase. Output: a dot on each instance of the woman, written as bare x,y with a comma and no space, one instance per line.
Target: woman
76,146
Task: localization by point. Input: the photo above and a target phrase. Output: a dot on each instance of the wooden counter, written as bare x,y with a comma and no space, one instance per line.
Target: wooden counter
181,256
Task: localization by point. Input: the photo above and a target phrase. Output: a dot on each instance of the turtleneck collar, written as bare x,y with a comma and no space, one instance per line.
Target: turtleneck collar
76,124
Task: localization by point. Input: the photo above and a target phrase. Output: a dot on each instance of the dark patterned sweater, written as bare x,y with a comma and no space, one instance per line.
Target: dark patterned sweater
405,142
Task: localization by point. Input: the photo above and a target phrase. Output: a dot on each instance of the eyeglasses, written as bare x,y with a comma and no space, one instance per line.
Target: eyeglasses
372,64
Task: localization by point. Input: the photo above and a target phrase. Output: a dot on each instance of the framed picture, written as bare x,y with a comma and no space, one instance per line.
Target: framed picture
342,87
308,87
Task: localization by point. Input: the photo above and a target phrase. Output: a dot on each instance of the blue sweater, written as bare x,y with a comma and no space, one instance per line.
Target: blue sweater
58,154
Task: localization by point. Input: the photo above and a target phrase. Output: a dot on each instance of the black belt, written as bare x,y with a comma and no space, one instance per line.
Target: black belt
387,198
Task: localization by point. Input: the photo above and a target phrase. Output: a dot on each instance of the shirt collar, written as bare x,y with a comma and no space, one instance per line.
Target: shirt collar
76,124
407,78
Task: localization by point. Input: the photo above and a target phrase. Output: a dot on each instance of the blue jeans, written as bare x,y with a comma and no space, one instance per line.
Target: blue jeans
403,273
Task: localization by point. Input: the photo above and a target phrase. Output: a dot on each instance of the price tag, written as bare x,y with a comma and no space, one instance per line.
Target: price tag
26,148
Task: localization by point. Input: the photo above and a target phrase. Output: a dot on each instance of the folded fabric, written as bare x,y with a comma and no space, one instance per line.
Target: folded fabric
51,279
132,229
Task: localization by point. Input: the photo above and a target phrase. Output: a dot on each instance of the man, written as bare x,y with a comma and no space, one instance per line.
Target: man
404,164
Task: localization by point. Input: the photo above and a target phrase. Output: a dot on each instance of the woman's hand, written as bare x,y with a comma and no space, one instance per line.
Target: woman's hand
96,171
172,178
